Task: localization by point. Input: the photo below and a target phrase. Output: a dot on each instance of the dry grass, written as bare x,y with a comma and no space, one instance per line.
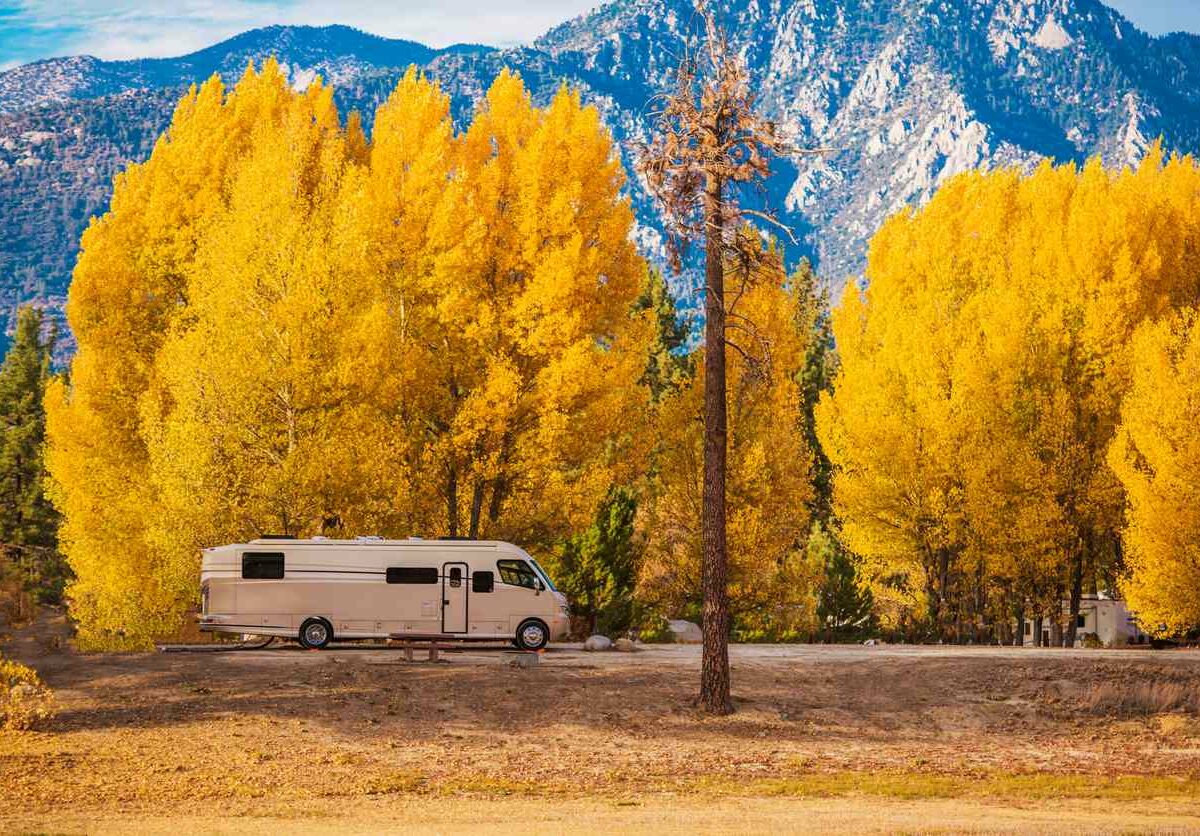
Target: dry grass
360,739
1141,699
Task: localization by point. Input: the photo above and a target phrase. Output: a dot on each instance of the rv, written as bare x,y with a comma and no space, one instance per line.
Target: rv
319,590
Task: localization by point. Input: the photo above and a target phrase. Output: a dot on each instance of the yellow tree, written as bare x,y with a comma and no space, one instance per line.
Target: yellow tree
1156,455
984,366
285,328
539,357
769,488
129,289
250,424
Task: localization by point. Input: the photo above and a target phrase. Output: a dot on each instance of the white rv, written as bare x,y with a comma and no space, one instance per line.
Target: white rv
320,590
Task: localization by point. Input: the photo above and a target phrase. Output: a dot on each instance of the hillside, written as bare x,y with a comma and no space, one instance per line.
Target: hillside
907,93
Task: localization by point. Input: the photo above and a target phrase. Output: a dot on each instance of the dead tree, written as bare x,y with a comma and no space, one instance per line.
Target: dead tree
709,142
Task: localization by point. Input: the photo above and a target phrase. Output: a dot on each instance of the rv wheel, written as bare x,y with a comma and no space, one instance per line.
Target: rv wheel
532,635
315,633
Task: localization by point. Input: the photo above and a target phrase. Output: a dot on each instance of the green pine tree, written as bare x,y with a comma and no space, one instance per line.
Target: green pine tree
816,378
844,606
668,365
598,568
26,516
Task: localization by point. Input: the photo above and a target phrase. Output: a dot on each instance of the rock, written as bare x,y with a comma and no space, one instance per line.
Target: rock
625,646
597,643
23,691
523,659
685,632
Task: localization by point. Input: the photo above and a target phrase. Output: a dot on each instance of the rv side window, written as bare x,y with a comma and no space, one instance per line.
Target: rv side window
517,573
412,574
455,576
482,582
266,566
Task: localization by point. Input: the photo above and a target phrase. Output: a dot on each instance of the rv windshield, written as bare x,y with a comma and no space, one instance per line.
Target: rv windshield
542,572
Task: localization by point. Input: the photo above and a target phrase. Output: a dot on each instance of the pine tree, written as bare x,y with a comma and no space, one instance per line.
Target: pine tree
669,366
597,569
845,606
709,141
26,516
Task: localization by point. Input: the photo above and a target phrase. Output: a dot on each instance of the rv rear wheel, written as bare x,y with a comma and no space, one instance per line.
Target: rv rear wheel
316,633
532,635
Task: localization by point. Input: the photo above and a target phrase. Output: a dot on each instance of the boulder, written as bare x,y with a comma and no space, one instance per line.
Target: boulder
685,632
23,691
625,645
596,643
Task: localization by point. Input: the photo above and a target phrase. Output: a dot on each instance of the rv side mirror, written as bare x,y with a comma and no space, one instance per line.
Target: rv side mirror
538,586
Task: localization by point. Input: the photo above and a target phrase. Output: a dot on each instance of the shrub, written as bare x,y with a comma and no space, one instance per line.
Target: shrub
1092,641
24,698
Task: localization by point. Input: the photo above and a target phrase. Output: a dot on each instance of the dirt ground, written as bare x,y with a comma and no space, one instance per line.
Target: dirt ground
883,739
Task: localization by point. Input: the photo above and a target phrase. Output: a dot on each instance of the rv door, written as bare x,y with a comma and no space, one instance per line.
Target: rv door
454,597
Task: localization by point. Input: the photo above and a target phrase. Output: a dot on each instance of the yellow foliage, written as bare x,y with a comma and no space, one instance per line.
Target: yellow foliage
283,328
1156,455
983,366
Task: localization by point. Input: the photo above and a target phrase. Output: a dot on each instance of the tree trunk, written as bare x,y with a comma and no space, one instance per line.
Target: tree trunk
1076,591
452,502
476,507
714,669
1019,636
1037,631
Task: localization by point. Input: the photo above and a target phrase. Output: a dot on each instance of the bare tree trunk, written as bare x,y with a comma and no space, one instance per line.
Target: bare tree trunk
1076,590
1037,632
452,501
476,507
714,670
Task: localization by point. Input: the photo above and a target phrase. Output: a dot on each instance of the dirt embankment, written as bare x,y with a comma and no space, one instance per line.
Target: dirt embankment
291,731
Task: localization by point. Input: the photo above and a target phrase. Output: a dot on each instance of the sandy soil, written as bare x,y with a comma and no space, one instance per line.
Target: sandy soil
824,738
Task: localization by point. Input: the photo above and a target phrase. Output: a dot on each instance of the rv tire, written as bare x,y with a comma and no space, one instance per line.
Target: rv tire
533,634
316,633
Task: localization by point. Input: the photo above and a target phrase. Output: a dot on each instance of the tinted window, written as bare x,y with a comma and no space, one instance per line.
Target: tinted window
262,565
516,573
412,574
482,582
455,576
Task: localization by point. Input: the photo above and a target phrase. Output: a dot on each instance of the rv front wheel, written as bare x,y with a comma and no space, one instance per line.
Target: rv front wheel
315,633
532,635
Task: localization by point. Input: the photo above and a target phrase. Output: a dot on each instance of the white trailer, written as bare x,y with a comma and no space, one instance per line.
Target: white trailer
319,590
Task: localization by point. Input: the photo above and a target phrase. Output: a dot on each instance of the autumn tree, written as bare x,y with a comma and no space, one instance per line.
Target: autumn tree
982,371
286,328
709,142
1156,455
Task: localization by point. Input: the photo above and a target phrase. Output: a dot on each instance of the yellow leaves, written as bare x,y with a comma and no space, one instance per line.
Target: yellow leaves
283,327
984,365
1156,455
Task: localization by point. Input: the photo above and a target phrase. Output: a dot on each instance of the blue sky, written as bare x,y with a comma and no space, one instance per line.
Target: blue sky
33,29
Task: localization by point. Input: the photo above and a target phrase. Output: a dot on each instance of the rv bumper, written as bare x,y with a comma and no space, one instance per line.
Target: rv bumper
560,627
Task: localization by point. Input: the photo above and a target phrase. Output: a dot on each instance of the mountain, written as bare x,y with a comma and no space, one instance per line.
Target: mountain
903,93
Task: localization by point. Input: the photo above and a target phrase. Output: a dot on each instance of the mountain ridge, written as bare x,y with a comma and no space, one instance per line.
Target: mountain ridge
907,92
